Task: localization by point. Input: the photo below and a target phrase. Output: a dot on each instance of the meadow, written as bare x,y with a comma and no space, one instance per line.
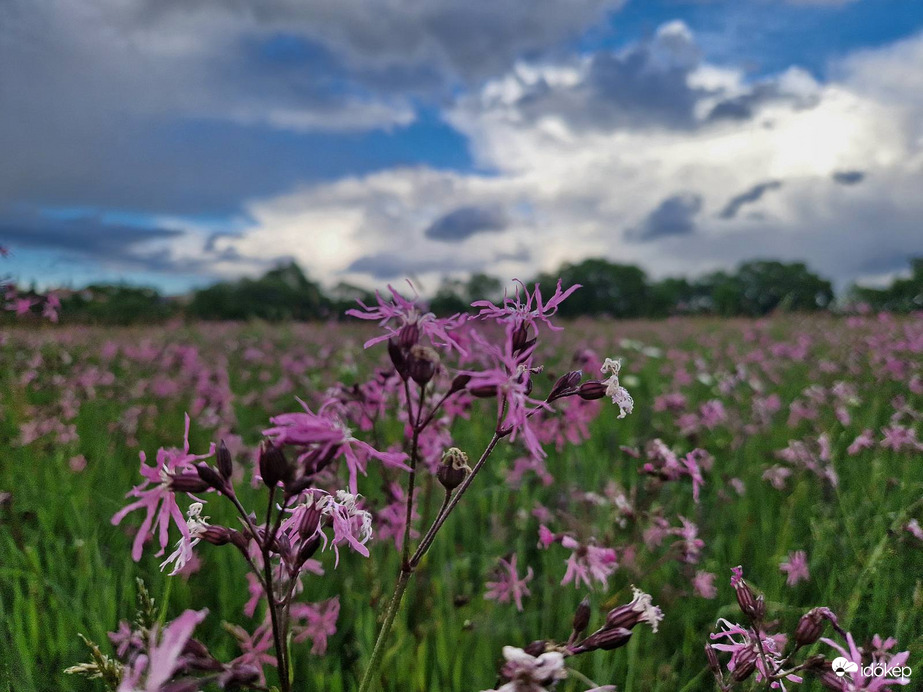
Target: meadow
809,429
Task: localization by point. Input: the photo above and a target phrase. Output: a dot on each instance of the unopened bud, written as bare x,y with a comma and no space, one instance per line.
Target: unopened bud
308,548
188,482
606,640
223,458
751,606
459,383
273,464
592,390
582,617
712,658
454,468
566,385
422,364
216,535
398,356
210,476
520,340
745,665
810,627
484,392
409,335
536,648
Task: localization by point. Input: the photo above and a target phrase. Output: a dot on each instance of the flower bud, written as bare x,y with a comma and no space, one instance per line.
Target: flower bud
308,548
606,640
746,664
484,392
210,476
751,606
712,658
454,468
536,648
809,628
422,364
566,385
216,535
591,390
409,335
273,464
520,339
223,458
582,617
398,356
188,482
459,383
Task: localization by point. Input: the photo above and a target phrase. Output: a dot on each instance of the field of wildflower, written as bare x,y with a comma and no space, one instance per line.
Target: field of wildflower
689,504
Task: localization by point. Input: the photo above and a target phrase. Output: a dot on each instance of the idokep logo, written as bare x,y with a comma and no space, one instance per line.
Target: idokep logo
842,666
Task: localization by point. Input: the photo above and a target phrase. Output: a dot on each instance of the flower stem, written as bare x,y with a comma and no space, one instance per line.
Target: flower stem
379,651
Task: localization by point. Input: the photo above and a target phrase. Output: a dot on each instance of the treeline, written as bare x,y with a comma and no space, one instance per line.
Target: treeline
609,289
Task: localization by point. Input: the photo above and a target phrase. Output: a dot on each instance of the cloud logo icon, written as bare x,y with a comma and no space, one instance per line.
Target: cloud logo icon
841,666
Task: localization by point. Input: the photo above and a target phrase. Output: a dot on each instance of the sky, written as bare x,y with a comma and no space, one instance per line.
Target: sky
174,143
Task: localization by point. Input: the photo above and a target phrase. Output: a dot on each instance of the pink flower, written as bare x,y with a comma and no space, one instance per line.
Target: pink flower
254,647
865,440
320,622
323,436
407,312
157,498
704,584
508,585
796,568
588,562
545,536
163,655
526,309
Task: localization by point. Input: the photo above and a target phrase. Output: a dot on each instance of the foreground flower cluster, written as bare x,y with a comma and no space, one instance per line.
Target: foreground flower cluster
439,368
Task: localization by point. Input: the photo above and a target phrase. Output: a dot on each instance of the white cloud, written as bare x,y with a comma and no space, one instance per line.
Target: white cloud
573,191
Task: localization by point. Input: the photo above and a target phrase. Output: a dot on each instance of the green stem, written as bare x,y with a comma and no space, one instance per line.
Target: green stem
379,651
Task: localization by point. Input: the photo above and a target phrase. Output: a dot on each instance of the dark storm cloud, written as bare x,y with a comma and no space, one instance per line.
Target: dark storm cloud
752,195
849,177
744,106
645,85
85,235
464,222
390,266
674,216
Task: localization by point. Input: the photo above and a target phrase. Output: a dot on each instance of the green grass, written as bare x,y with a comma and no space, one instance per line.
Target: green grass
64,569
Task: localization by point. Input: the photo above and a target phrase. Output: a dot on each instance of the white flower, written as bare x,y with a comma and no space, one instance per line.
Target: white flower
614,389
642,603
196,524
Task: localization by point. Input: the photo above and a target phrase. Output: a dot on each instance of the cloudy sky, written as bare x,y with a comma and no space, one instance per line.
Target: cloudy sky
173,142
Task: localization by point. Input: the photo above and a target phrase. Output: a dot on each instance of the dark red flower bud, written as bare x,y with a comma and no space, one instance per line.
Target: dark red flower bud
604,639
581,617
398,356
591,390
536,648
483,392
308,548
188,482
210,476
712,658
745,665
223,459
454,468
217,535
273,464
751,606
409,335
459,383
423,362
567,385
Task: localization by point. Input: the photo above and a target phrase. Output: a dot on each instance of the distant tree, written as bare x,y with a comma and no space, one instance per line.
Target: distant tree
903,295
768,285
619,290
283,293
117,305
